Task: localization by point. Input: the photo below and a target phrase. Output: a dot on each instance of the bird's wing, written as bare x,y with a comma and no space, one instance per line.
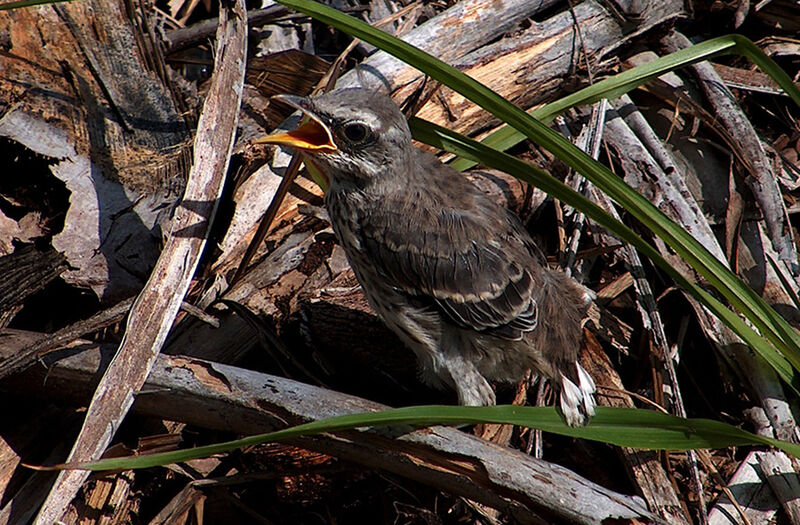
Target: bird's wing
454,248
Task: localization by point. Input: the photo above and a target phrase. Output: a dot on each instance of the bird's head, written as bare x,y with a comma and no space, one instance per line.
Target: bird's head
354,135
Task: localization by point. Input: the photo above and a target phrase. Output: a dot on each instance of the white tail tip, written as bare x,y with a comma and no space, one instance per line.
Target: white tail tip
577,401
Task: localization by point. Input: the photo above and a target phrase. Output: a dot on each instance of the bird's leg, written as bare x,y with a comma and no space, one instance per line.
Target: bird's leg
471,387
453,360
474,390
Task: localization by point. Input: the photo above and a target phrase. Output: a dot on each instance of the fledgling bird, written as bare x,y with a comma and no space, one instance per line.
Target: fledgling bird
451,272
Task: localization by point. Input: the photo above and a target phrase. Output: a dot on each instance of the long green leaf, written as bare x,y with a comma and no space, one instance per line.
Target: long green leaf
625,427
621,83
453,142
28,3
744,299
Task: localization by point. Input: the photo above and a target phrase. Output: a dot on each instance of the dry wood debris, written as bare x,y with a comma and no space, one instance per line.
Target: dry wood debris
102,136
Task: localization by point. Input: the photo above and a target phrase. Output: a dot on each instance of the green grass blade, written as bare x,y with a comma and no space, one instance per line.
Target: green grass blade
609,88
746,47
621,83
28,3
787,287
453,142
645,429
745,300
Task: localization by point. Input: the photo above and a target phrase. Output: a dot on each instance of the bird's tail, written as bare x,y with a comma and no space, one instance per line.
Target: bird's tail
577,400
562,307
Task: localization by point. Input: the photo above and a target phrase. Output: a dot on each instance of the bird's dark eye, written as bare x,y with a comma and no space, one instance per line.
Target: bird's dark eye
355,132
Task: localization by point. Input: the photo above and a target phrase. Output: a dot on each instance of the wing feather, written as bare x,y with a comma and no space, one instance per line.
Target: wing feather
472,260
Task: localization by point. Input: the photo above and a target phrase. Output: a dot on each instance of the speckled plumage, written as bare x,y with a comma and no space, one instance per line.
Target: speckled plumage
451,272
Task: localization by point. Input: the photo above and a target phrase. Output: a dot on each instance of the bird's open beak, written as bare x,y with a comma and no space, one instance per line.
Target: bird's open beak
312,135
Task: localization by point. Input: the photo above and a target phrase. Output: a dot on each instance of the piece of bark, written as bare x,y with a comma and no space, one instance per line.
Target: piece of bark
643,466
107,501
154,310
538,63
684,210
199,33
747,80
21,508
781,476
23,273
218,396
462,28
115,133
752,493
260,291
667,191
697,182
762,181
611,329
291,71
779,15
28,355
179,506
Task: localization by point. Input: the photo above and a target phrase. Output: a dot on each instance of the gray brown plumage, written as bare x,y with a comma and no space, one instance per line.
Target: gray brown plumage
452,273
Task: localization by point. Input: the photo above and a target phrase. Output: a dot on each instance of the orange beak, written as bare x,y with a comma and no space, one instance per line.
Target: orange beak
312,135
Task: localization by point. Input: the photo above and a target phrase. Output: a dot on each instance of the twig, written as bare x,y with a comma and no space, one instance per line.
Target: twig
27,356
748,149
269,216
241,401
196,34
154,310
